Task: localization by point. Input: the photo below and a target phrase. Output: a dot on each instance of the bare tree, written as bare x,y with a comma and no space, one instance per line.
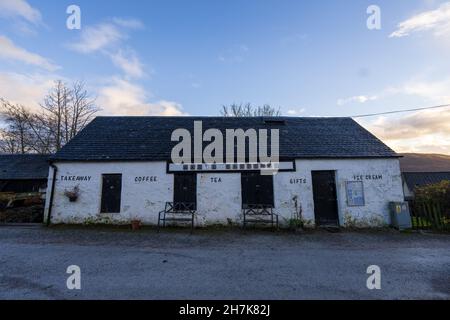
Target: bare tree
247,110
8,142
41,127
63,113
83,109
16,136
55,107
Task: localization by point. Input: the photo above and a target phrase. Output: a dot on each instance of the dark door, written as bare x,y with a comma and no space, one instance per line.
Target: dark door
256,189
111,192
185,191
325,200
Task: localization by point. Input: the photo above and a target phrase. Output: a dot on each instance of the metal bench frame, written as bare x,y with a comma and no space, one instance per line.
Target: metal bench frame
177,212
259,213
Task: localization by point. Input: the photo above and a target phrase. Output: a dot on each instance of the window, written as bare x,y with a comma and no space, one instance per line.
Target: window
355,194
111,193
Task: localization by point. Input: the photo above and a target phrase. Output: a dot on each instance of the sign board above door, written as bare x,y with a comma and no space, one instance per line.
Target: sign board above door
230,167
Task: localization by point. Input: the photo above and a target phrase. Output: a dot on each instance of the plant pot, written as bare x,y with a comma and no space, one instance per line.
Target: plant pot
135,224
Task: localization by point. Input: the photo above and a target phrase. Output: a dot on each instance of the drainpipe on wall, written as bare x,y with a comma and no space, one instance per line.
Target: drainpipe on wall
52,192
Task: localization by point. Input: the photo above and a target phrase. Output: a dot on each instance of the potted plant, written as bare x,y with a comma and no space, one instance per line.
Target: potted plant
135,224
72,194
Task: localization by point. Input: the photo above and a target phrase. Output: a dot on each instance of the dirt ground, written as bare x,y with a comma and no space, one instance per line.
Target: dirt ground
221,264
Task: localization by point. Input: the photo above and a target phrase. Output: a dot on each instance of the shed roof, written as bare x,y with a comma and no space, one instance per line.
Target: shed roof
149,138
23,166
420,179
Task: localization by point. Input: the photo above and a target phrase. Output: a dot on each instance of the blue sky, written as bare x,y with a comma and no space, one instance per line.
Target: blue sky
177,57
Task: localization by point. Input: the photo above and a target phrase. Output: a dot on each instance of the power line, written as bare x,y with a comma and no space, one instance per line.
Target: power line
400,111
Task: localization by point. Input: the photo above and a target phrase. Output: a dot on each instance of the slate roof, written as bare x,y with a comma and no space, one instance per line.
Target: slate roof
149,138
420,179
23,167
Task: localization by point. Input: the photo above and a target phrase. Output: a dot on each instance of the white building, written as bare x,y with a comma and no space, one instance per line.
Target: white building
332,171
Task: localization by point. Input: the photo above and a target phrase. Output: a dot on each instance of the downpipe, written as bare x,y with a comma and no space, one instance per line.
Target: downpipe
52,192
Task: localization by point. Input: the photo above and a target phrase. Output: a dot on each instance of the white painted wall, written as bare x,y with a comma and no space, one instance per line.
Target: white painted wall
219,195
409,194
141,200
378,193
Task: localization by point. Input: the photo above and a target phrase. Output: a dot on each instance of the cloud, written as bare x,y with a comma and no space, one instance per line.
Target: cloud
436,91
98,37
437,21
166,108
128,62
107,38
117,97
356,99
121,97
296,112
423,131
9,51
293,39
428,90
104,35
25,89
129,23
19,8
234,55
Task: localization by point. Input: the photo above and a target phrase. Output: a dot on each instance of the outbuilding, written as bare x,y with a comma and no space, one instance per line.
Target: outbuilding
21,173
23,186
414,180
329,171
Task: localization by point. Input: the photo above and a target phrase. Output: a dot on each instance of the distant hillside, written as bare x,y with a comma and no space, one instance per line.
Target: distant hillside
423,162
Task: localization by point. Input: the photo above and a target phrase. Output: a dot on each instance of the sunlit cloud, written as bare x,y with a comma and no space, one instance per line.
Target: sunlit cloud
356,99
423,131
296,111
433,91
11,52
128,62
108,39
25,89
436,21
21,9
98,37
122,97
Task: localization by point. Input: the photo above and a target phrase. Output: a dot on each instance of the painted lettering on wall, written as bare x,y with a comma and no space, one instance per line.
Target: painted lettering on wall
76,178
145,179
368,177
297,181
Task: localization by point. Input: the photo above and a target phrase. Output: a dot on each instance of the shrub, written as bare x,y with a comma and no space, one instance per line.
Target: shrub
436,193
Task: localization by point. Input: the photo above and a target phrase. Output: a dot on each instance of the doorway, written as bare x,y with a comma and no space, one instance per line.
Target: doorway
325,198
111,193
185,191
256,190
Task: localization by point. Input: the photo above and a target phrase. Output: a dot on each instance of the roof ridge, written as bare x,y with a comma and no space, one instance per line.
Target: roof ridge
217,117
